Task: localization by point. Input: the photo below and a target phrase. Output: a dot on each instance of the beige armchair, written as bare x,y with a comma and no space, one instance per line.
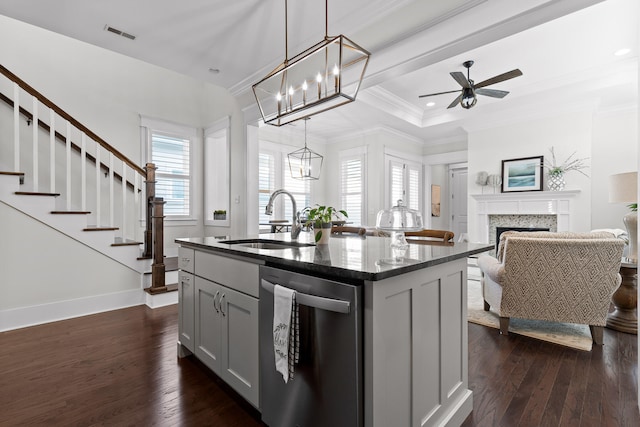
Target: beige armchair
560,277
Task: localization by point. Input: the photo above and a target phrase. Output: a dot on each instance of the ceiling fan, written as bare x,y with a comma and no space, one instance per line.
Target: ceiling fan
467,97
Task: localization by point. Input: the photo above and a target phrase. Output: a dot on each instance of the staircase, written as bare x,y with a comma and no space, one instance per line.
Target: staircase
58,172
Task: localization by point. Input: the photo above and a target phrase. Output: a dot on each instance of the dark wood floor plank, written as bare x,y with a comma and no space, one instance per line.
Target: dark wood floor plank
120,368
576,393
560,389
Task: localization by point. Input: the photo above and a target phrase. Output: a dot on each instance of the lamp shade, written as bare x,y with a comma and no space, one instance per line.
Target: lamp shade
623,188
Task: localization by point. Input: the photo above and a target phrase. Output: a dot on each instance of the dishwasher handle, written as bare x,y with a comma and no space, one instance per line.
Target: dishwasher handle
322,303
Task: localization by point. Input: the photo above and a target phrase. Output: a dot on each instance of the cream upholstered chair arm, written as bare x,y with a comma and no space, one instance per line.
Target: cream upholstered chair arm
491,267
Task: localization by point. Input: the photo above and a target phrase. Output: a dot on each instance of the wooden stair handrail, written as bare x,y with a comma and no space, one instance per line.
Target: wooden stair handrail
70,119
60,137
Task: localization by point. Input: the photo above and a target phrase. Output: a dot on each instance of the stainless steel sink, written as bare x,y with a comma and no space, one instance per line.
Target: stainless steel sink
266,244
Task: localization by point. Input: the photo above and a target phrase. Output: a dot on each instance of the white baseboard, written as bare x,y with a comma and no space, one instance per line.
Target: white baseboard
161,300
51,312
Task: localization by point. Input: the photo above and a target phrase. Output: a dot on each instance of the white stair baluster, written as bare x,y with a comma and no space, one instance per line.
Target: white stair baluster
52,151
83,171
124,200
67,143
34,123
16,127
111,189
98,182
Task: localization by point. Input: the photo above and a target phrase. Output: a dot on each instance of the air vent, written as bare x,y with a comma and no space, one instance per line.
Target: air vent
119,32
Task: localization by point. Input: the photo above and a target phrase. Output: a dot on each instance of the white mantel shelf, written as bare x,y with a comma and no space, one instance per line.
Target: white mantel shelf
526,195
524,203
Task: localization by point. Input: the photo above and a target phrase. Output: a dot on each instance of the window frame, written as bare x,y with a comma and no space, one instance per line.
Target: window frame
408,165
151,126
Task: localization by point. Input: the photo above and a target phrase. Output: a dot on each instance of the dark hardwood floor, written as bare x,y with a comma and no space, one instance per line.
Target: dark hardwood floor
120,368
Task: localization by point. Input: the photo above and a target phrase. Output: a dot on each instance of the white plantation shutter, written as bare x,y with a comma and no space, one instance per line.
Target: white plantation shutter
266,183
352,187
413,187
396,181
405,182
171,155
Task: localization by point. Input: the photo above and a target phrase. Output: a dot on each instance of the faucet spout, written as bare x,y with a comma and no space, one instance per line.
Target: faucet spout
296,227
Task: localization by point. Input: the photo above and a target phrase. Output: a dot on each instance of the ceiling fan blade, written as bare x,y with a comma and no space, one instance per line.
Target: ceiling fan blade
455,101
439,93
461,79
500,78
494,93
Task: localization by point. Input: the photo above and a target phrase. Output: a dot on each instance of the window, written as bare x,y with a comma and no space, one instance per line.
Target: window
273,174
169,148
170,154
405,183
352,184
266,183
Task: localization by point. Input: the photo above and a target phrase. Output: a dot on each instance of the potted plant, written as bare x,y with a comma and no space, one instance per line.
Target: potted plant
557,171
320,218
220,214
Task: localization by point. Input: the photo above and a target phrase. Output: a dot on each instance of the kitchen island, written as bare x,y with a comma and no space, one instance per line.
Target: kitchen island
411,315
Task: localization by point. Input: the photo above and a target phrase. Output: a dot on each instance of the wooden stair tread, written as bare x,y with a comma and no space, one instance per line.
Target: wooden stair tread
70,212
36,193
100,229
12,173
125,242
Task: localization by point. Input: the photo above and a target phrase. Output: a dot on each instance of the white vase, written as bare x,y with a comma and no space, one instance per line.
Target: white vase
325,233
556,181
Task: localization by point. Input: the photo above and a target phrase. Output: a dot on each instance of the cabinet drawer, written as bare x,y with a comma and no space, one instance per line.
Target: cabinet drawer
235,274
186,259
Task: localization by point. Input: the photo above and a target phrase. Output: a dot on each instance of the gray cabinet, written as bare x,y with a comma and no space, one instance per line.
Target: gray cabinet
218,311
186,294
186,315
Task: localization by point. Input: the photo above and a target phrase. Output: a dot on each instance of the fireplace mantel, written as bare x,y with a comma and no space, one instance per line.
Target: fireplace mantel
524,203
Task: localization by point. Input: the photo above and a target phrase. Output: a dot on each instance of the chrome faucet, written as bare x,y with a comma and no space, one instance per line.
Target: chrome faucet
296,227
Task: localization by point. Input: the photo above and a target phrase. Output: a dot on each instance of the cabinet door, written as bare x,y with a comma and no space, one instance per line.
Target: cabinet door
239,361
207,327
186,310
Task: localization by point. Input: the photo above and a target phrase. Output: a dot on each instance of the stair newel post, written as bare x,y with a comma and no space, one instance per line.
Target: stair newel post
150,191
158,267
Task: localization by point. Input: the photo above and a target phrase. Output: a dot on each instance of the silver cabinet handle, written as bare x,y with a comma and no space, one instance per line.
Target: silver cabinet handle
186,259
330,304
214,301
222,305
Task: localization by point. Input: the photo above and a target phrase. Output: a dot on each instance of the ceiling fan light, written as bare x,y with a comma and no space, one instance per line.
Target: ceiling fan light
468,99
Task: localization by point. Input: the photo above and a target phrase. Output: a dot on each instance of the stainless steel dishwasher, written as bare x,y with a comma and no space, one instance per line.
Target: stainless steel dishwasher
326,389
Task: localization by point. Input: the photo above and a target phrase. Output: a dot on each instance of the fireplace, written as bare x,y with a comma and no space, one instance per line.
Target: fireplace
550,210
500,230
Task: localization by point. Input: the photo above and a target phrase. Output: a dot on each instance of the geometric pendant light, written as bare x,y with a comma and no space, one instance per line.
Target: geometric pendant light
324,76
305,164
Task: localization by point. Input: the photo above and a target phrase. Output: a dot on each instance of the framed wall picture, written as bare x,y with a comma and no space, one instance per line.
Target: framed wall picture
522,174
435,200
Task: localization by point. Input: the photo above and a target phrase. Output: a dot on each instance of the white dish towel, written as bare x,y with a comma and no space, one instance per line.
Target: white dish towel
286,339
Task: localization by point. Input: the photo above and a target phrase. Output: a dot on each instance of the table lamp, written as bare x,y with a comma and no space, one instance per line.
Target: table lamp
623,188
397,220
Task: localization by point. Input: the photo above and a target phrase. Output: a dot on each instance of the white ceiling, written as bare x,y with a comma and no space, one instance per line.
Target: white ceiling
565,54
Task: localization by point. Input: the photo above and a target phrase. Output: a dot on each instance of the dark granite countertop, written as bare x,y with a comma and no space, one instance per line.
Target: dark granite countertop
344,258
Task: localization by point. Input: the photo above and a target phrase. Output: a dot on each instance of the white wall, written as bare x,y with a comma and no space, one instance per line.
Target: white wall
615,150
40,267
